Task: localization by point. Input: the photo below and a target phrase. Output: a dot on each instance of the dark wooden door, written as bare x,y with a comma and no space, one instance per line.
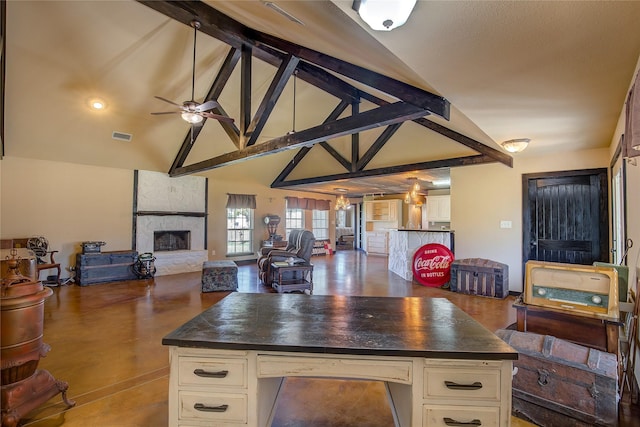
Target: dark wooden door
565,217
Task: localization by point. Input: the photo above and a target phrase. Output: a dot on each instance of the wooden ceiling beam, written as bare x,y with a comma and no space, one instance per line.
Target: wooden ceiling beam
377,145
478,146
381,116
333,116
226,29
285,71
391,170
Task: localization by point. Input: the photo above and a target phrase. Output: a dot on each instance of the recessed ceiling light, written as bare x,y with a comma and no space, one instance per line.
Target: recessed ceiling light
97,104
341,190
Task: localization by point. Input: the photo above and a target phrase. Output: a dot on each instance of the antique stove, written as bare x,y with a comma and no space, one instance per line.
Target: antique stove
24,387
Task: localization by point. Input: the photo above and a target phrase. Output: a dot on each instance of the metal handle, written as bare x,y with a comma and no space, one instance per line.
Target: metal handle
452,422
207,374
204,408
456,386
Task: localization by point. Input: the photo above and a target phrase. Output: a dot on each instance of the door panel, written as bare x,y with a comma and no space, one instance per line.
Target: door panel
565,217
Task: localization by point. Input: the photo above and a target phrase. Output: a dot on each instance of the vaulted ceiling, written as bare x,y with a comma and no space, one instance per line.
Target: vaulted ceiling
555,72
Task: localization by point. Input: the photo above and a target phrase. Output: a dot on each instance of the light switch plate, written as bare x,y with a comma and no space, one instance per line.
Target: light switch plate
505,224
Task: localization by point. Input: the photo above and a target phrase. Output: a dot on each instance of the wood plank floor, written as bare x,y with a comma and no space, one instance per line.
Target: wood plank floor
106,343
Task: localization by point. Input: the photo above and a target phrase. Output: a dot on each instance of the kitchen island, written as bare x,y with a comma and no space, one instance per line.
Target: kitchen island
403,244
438,364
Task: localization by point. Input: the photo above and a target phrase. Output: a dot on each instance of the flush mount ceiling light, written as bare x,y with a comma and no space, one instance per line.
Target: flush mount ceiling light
515,145
384,15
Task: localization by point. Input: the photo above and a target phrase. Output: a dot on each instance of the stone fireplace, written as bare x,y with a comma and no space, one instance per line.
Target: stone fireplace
170,221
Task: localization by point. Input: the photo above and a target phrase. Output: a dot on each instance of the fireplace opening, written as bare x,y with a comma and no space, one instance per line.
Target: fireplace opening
171,240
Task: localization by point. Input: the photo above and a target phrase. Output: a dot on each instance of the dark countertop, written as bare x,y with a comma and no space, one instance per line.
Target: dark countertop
389,326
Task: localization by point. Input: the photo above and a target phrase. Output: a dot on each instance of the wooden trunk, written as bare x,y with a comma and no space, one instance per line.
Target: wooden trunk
559,383
477,276
105,267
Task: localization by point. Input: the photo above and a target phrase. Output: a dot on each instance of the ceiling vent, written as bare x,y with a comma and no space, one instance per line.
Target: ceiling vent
121,136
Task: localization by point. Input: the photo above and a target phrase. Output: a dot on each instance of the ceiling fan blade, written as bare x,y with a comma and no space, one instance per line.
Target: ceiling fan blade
216,117
166,112
207,105
166,100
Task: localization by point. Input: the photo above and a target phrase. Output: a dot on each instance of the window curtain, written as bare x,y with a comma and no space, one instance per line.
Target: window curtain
307,204
241,201
632,121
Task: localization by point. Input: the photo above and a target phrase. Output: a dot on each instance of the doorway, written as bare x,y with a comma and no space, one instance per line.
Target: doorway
565,217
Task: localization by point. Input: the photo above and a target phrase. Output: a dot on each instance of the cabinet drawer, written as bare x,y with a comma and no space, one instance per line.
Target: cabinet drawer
212,371
462,383
447,416
213,407
397,371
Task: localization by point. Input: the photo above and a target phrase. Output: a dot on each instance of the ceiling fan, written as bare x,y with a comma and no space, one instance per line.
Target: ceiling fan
192,111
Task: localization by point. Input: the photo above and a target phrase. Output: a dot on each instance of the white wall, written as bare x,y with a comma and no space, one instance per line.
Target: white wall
484,195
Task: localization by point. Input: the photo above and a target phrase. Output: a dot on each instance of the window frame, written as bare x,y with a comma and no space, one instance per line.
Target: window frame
246,244
320,230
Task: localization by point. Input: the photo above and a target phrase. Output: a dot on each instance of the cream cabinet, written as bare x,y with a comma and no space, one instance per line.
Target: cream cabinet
465,393
377,243
383,210
439,208
208,388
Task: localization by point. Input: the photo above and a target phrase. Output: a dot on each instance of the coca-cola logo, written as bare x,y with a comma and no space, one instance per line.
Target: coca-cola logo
432,264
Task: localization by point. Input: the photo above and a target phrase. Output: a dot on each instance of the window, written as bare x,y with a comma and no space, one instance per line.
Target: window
341,218
321,224
239,231
293,219
240,211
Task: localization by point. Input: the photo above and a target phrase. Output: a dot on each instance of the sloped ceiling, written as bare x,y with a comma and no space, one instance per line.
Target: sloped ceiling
555,72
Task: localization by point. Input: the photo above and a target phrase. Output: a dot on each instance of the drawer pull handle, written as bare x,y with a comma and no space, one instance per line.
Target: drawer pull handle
207,374
456,386
452,422
204,408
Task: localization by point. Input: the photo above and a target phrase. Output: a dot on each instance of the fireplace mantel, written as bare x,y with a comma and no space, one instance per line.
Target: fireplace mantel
171,213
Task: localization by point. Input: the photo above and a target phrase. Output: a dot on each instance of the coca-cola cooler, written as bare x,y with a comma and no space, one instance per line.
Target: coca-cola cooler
477,276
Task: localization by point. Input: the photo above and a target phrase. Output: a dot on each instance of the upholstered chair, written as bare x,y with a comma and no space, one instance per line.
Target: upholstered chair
299,247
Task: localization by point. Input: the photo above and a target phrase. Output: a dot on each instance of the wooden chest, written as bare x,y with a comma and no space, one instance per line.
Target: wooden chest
105,267
477,276
558,383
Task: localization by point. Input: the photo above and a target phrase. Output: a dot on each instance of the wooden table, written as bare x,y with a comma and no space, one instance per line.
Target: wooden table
292,277
438,364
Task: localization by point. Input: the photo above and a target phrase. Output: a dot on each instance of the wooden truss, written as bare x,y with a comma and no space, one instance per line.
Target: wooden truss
321,71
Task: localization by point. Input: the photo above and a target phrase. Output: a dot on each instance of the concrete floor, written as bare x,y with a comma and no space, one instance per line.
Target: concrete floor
106,343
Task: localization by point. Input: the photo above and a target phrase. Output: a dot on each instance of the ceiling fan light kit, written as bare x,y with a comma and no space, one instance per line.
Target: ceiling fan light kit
192,118
384,15
515,145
